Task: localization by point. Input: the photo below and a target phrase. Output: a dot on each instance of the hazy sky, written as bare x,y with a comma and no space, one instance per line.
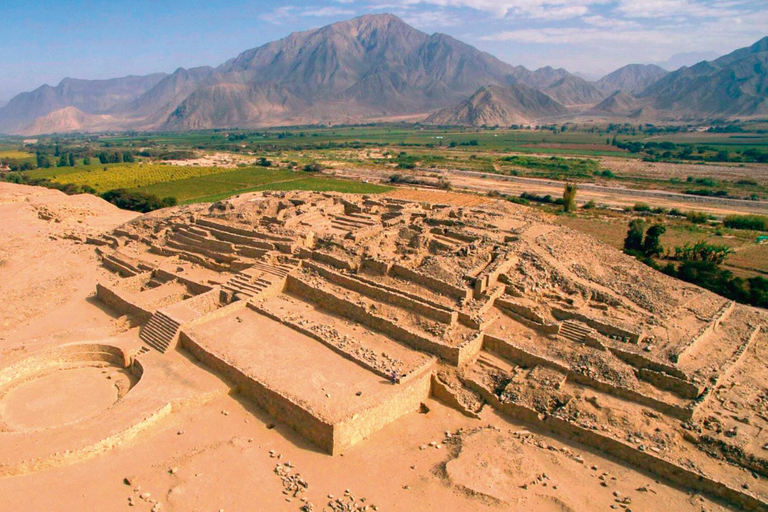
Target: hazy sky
43,41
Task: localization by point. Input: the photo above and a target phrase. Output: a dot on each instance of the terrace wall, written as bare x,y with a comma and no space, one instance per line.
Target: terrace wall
121,303
440,314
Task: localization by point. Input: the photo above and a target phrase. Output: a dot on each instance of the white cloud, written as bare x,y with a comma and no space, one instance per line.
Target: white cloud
431,18
328,11
684,8
534,9
285,13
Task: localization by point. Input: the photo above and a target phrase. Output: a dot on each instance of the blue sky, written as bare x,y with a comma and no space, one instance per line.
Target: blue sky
44,41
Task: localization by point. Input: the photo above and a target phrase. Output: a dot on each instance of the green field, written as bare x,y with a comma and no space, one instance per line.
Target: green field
190,184
222,185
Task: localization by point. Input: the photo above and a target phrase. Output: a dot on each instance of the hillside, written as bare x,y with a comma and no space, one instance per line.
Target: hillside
88,96
500,106
619,103
631,79
572,91
733,85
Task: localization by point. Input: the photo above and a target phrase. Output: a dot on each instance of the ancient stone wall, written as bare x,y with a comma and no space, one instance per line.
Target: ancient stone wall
408,398
342,306
273,403
121,303
599,325
436,285
516,354
440,314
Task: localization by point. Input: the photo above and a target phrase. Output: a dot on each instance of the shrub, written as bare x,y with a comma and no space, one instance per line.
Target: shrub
696,217
569,197
755,222
313,167
641,207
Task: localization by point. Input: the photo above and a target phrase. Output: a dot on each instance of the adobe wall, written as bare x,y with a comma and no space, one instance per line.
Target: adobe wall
623,451
640,361
375,292
135,283
241,231
241,239
443,393
185,247
598,325
407,398
193,286
217,313
680,387
413,296
343,307
329,259
273,403
704,332
191,239
205,302
546,328
436,285
376,266
74,353
516,354
121,303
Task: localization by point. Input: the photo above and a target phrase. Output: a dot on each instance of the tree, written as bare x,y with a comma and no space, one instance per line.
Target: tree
315,167
71,159
42,160
634,240
87,160
63,162
569,197
652,243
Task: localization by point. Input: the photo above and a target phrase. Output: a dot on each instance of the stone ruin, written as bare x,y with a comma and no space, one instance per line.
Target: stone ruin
392,301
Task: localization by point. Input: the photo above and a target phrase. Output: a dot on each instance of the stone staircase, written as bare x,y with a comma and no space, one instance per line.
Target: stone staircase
257,279
574,331
159,332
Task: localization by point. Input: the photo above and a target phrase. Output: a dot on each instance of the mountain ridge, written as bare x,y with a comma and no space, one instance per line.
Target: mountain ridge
376,68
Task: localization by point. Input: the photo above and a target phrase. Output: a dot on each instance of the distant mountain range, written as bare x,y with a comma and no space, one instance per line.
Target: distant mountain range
378,68
688,59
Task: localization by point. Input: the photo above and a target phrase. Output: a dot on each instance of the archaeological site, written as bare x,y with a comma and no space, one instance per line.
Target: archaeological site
403,351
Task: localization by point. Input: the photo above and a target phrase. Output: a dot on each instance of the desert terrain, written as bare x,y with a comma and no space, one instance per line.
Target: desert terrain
306,351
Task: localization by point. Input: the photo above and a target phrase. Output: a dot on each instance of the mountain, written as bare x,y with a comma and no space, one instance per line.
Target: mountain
733,85
88,96
371,67
377,68
500,106
632,78
679,60
70,119
3,103
572,91
618,103
374,67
